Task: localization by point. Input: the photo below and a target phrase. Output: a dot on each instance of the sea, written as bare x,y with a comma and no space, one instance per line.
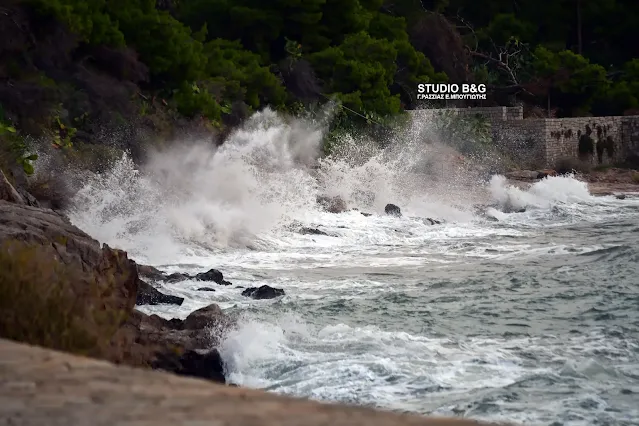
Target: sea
521,306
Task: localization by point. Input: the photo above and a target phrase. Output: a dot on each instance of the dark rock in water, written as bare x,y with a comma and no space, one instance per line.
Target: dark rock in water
193,363
264,292
206,289
366,214
149,295
151,272
210,275
312,231
207,316
177,277
393,210
434,221
332,204
620,197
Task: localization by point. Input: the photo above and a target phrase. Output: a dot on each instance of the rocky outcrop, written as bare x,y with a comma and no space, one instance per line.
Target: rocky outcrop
48,264
61,289
179,346
263,292
149,295
312,231
393,210
212,275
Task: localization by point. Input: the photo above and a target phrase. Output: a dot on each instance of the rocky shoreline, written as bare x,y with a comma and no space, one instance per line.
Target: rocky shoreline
45,387
605,182
64,292
91,291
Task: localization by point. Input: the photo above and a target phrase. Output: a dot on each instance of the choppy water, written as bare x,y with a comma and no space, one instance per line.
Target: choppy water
530,317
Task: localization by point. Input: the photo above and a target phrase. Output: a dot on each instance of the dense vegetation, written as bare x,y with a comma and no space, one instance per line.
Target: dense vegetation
207,57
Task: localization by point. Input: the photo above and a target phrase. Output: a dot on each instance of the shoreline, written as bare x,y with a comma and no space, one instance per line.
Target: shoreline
42,386
601,183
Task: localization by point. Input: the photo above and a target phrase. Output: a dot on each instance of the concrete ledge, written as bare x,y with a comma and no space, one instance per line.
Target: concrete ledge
44,387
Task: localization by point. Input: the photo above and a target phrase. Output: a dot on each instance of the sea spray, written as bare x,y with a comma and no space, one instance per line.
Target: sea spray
266,175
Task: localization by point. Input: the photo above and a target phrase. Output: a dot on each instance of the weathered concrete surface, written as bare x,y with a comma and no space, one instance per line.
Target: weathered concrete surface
42,387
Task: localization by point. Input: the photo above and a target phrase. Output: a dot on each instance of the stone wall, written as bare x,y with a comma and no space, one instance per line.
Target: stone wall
491,113
520,139
594,140
542,142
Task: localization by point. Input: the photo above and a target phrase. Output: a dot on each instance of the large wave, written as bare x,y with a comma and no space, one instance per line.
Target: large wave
267,174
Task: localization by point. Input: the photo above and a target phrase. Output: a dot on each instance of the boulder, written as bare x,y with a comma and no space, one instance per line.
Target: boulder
149,295
332,204
151,273
263,292
212,275
393,210
204,364
206,289
312,231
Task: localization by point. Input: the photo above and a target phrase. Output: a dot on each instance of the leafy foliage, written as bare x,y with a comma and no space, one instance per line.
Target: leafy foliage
14,146
212,53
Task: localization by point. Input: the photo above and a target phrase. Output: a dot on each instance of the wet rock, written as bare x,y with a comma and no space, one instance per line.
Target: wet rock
434,221
366,214
208,316
264,292
211,275
620,197
177,277
393,210
312,231
150,340
151,273
194,363
332,204
206,289
149,295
